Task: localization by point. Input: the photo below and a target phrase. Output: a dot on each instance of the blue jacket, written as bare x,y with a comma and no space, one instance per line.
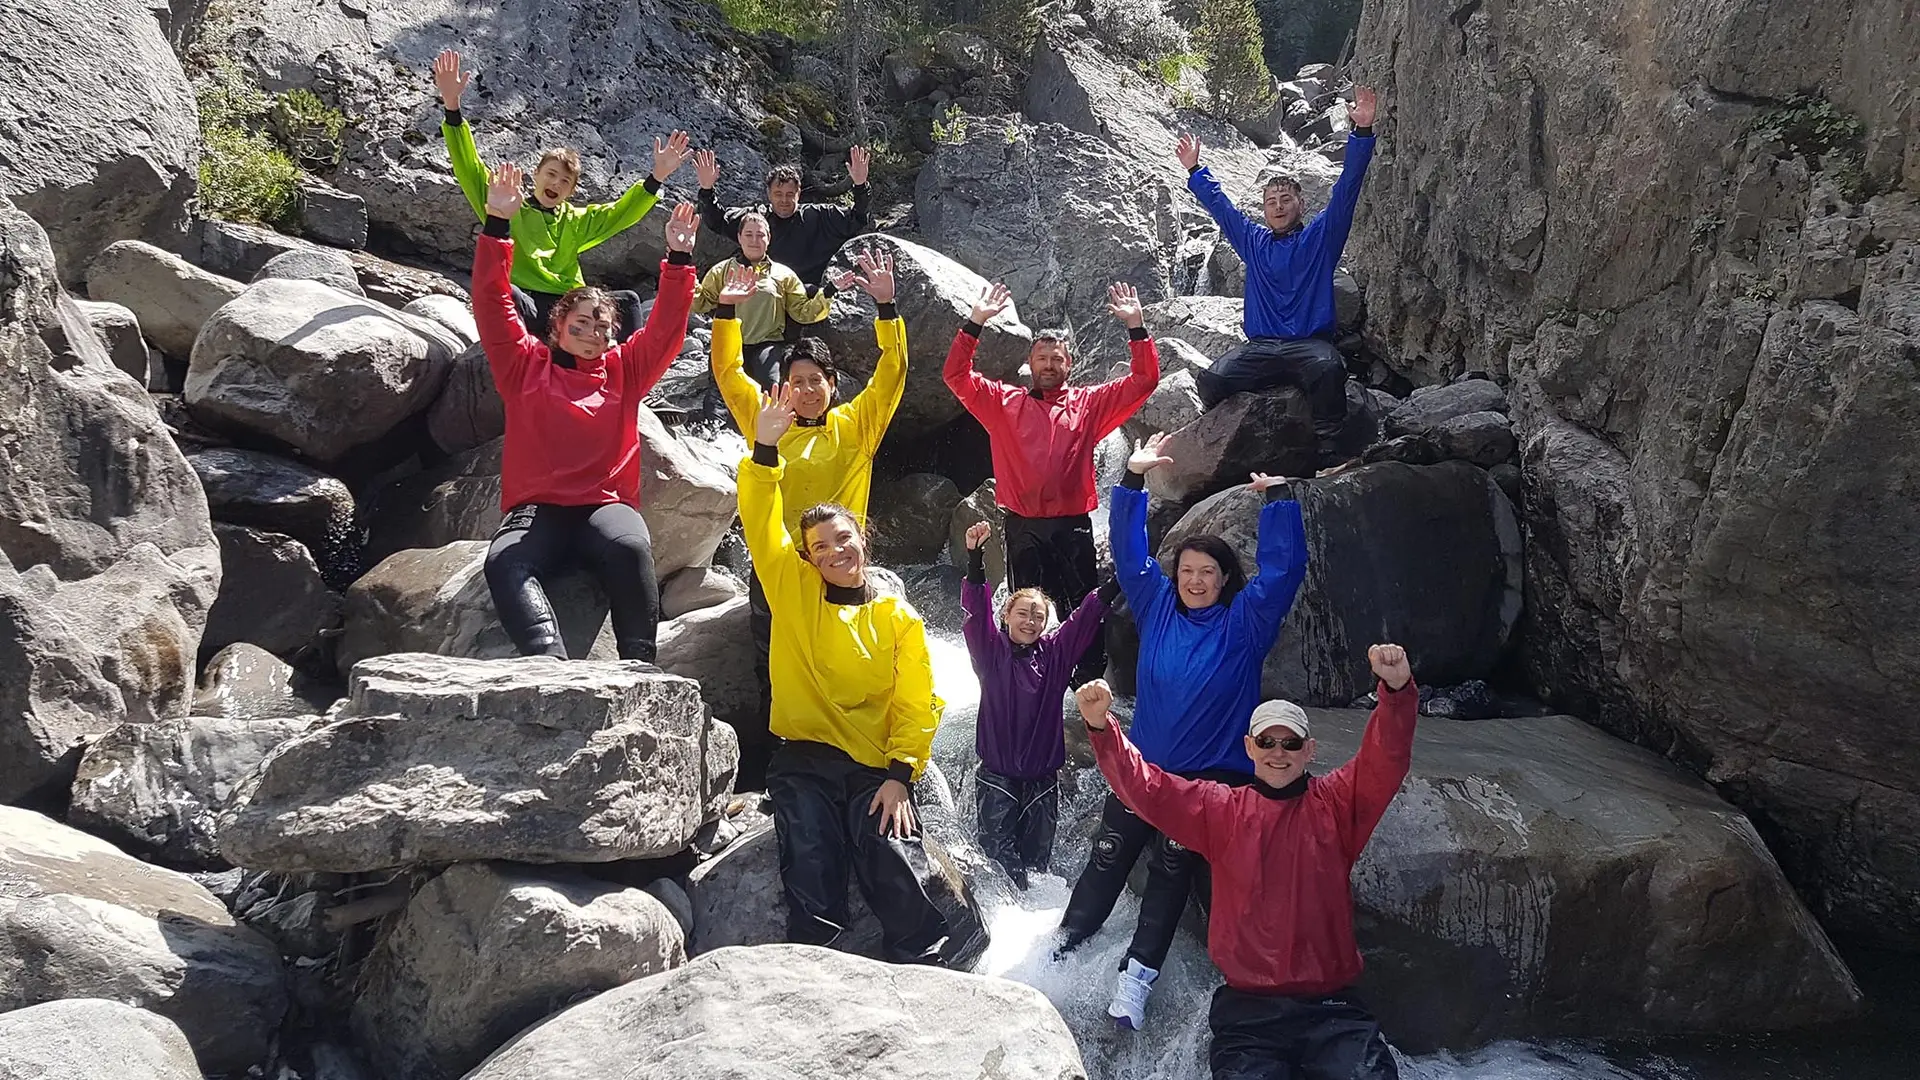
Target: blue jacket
1198,677
1289,278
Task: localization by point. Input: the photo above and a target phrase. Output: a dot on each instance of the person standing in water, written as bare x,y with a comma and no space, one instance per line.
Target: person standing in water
1204,633
1282,850
1023,674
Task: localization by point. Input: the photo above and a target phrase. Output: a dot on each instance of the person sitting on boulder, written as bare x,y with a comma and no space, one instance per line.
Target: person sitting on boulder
1289,313
1282,850
853,698
549,233
1205,631
1043,436
570,466
829,449
804,236
1023,674
777,297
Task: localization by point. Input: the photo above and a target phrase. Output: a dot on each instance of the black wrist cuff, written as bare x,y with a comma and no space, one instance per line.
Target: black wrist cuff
972,327
680,258
885,312
1109,591
977,565
1137,333
902,772
766,455
498,227
724,311
454,119
827,287
652,184
1195,169
1363,132
1280,493
1134,480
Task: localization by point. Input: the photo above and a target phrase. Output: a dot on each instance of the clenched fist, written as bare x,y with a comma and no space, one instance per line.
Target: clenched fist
1389,663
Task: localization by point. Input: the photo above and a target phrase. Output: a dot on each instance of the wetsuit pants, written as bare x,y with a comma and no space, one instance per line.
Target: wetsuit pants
541,540
1056,554
1016,819
1312,364
820,799
1273,1037
756,741
1173,872
536,307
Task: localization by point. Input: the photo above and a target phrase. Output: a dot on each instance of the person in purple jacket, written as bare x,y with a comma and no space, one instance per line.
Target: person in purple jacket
1020,735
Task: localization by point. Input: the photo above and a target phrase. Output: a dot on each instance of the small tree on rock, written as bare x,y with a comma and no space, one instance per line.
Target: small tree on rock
1228,36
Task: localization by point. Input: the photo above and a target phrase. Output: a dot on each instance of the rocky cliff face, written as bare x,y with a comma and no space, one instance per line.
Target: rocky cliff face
1687,238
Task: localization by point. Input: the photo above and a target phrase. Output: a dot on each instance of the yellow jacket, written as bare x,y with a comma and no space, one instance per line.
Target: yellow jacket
778,295
834,461
853,676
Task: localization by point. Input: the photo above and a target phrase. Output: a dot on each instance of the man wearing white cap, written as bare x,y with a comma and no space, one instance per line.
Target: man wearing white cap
1282,850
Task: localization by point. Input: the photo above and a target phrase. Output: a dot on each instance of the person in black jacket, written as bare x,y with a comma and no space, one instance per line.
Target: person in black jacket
805,235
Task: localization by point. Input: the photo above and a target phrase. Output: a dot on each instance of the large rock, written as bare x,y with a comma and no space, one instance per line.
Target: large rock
238,250
737,901
103,140
435,759
714,646
435,600
271,595
644,71
451,312
485,950
321,370
697,588
1270,431
119,330
1483,438
171,297
1727,360
978,506
936,294
1175,403
261,491
246,682
911,516
456,499
1516,844
1428,407
1055,214
156,789
330,268
107,560
468,413
797,1010
90,1038
80,919
1426,556
1211,324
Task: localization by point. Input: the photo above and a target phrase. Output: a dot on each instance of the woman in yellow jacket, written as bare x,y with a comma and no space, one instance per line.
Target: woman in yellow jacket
828,451
853,698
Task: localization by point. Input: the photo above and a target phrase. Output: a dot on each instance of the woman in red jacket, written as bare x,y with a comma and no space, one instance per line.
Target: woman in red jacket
570,469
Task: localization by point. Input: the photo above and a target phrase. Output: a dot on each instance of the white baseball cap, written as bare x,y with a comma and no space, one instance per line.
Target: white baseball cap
1277,713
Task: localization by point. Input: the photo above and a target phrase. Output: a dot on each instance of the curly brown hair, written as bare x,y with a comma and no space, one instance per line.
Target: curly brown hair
598,302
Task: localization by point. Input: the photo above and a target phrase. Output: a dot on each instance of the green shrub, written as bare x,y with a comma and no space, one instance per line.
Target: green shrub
309,128
802,20
244,176
1237,78
1173,65
1815,127
950,127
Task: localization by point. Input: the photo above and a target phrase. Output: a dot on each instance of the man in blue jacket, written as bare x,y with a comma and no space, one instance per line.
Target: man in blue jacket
1288,315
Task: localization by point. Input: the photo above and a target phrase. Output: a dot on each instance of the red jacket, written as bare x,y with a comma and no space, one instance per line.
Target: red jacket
573,435
1282,918
1043,444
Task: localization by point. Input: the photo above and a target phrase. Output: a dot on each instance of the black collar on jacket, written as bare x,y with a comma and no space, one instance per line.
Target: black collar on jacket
1292,791
845,594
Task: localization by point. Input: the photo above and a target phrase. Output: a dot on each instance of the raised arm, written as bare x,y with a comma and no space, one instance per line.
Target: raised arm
1134,566
737,388
846,222
873,407
985,642
451,81
980,395
1078,631
503,337
1181,808
719,220
1112,402
648,352
1263,604
1337,220
1364,786
1239,230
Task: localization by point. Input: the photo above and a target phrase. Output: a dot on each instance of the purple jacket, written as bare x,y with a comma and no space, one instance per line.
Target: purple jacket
1021,732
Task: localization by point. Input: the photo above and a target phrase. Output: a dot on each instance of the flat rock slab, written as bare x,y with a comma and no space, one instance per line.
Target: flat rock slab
92,1039
799,1011
436,759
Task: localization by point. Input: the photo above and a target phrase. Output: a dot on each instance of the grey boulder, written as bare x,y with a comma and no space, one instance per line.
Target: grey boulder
170,296
271,595
92,1038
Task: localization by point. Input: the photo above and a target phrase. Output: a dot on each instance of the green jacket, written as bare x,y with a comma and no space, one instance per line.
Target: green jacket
778,295
546,243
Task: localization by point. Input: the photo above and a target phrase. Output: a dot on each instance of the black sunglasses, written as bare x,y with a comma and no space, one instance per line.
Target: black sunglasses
1291,743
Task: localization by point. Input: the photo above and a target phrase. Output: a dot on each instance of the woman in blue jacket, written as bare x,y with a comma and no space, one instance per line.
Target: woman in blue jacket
1204,633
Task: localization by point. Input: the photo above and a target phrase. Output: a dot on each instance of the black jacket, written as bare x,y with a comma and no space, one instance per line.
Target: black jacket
807,241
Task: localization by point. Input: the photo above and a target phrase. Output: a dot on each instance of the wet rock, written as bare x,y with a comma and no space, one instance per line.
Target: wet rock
1428,407
246,682
272,494
911,516
271,595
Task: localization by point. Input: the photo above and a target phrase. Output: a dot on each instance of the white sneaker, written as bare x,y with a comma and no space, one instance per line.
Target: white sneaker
1129,1008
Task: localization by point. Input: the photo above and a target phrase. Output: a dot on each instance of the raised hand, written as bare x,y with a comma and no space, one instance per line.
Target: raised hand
776,416
843,279
1365,106
668,156
1188,151
1389,663
683,228
1148,456
739,284
1261,481
506,190
991,303
1095,700
449,79
1124,301
977,534
858,160
876,274
894,803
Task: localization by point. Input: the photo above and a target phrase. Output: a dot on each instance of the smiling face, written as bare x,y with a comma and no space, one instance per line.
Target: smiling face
836,549
553,182
1050,364
584,328
1025,616
812,389
1273,763
784,197
1281,206
754,235
1199,579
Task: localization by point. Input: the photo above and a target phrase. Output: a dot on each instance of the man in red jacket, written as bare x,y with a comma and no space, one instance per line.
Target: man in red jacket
570,465
1282,850
1043,437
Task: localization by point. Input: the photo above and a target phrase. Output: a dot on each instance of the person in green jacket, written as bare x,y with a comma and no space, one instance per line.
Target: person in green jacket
549,232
